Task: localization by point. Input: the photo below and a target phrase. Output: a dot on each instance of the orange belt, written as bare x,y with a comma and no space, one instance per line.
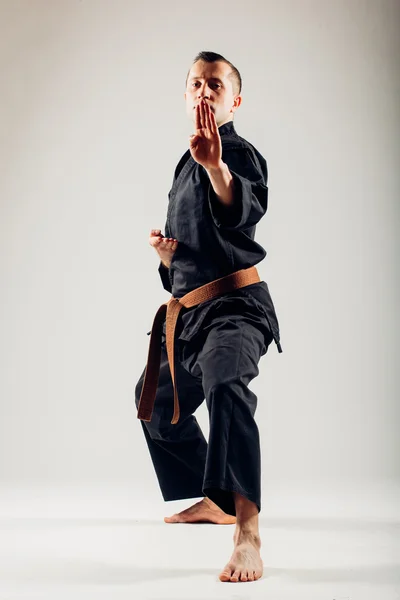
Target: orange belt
171,309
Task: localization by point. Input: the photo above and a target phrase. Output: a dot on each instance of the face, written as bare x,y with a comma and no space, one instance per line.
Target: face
210,81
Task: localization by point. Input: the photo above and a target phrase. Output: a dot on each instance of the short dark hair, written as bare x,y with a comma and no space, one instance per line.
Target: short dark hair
211,57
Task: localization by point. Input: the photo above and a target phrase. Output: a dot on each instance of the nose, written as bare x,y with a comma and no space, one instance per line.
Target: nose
205,97
201,92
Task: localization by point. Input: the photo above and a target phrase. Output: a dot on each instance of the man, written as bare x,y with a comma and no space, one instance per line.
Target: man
218,195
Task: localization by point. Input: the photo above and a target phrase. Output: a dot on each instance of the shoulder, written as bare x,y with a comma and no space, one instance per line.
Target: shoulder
238,148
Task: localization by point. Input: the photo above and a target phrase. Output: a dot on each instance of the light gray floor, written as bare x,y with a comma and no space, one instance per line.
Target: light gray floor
311,558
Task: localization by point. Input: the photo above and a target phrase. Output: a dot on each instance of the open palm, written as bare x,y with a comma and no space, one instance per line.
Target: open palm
205,145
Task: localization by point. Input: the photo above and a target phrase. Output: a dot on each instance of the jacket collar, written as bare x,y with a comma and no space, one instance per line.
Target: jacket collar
227,129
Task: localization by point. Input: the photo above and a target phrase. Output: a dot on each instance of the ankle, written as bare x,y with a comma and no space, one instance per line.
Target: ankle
209,503
247,526
246,535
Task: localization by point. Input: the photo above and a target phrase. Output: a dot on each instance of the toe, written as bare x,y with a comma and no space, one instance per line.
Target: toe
236,575
173,519
225,575
251,576
243,576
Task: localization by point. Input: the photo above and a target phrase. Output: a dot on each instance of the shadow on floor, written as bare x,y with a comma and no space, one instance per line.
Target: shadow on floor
71,571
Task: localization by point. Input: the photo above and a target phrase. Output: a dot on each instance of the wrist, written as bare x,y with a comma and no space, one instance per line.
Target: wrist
218,169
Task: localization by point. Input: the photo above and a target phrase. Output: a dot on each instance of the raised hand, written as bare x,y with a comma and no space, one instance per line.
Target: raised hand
205,145
165,247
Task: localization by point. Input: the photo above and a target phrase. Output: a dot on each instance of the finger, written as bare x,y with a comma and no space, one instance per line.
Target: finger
193,141
207,122
155,232
197,115
163,243
213,122
202,113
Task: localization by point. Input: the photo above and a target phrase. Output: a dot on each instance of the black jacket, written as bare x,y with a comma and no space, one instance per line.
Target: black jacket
215,240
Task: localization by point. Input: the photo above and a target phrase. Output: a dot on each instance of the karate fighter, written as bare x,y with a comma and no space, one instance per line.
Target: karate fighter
219,194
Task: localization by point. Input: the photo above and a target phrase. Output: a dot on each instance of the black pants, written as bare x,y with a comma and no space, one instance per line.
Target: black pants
216,365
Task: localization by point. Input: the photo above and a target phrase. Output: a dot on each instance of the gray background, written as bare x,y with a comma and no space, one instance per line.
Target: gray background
93,123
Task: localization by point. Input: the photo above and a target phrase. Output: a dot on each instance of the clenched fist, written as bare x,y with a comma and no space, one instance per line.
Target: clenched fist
165,247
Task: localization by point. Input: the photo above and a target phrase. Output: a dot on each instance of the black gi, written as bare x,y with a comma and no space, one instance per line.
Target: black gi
219,342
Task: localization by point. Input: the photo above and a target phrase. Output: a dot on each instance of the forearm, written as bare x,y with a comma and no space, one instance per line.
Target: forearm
222,183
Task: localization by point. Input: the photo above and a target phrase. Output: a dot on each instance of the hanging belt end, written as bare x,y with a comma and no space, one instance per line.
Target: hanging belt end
144,416
175,418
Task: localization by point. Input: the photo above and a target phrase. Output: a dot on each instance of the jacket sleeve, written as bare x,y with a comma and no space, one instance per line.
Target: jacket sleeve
163,270
164,274
250,200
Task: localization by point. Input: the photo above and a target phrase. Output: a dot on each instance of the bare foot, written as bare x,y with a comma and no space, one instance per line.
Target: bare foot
245,563
205,511
165,247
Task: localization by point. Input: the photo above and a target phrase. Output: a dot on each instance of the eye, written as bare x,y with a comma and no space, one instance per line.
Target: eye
214,84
